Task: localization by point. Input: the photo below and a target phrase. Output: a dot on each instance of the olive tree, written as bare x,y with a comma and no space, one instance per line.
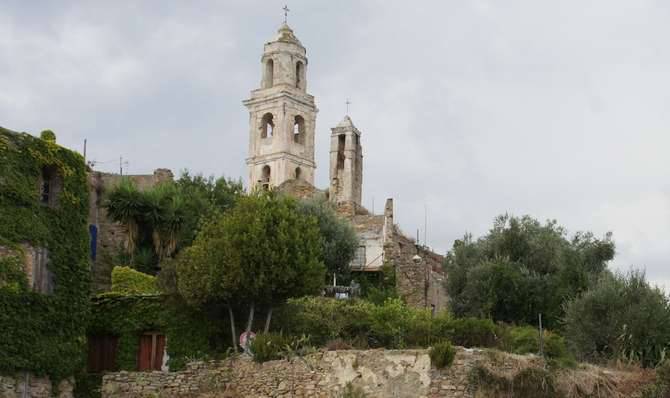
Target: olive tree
260,252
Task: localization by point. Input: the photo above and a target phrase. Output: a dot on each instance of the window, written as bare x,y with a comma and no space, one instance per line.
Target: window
299,130
298,173
50,186
42,280
150,354
267,125
340,151
269,74
102,353
299,71
265,177
359,260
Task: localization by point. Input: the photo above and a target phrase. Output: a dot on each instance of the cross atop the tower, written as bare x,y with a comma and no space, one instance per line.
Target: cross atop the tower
286,10
348,103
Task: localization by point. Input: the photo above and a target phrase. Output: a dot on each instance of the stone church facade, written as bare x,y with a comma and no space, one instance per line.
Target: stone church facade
282,121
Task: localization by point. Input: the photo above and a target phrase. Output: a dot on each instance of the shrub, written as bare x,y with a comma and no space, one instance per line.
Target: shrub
269,346
442,354
534,382
48,135
530,382
351,391
470,332
621,317
661,388
126,280
390,323
337,344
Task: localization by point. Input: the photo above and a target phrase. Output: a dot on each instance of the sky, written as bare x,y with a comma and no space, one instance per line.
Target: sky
468,109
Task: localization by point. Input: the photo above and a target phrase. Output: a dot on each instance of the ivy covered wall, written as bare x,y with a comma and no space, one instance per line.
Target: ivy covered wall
190,334
42,333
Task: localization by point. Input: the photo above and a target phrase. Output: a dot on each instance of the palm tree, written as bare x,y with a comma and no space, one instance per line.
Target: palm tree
126,205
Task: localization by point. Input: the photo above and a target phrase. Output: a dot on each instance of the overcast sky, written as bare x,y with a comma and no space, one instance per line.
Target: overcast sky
556,109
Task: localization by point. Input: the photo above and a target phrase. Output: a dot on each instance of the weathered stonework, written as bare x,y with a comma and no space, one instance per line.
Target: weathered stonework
346,163
377,373
111,236
26,385
282,116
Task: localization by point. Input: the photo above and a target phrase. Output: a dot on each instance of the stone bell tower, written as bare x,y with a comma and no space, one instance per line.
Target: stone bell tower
282,116
346,164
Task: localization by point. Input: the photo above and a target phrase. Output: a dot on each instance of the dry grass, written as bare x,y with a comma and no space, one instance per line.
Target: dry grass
592,381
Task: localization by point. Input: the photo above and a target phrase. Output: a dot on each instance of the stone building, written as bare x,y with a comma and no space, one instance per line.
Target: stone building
108,237
43,265
282,121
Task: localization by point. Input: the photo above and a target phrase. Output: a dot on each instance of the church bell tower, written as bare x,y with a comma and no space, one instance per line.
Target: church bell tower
282,116
346,164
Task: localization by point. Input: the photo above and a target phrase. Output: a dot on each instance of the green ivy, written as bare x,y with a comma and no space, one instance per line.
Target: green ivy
126,280
43,334
128,316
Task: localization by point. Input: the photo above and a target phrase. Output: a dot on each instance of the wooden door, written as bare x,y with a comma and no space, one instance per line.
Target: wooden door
102,353
150,354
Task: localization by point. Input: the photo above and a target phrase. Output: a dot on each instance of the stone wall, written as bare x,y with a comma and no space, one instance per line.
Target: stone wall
421,284
377,373
111,236
26,385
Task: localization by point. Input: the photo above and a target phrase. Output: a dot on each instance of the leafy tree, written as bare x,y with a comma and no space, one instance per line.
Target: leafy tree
260,252
522,268
204,197
167,217
623,317
339,242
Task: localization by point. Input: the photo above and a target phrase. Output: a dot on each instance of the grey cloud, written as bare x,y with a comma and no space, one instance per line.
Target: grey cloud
472,109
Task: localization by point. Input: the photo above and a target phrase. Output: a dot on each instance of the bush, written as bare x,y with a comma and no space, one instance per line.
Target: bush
621,317
351,391
442,354
338,344
269,346
126,280
534,382
530,382
661,388
470,332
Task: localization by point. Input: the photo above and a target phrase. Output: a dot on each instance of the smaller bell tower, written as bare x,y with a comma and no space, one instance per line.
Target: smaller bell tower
346,164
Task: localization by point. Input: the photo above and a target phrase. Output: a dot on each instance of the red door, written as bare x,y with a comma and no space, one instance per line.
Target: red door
150,355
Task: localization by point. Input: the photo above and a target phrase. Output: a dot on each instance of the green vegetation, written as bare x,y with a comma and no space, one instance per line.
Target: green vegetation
442,354
127,281
269,346
189,331
361,324
338,238
522,268
166,218
661,388
530,382
621,317
28,319
260,252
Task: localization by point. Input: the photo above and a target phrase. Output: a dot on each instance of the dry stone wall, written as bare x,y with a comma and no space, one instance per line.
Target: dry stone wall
26,385
377,373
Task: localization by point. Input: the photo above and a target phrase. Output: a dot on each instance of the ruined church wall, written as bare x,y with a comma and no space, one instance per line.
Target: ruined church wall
421,285
111,236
